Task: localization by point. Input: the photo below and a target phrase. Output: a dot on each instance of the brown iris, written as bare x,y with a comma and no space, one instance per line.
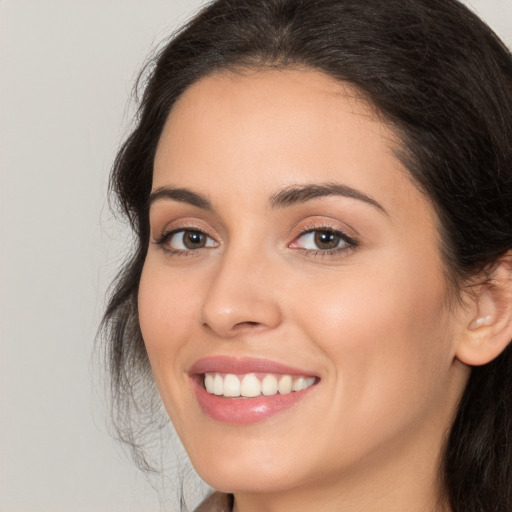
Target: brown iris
194,239
326,240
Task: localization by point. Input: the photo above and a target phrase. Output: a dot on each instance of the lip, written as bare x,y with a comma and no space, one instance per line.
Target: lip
243,411
220,364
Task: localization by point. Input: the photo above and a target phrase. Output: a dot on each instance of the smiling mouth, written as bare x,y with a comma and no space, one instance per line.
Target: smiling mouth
243,391
253,385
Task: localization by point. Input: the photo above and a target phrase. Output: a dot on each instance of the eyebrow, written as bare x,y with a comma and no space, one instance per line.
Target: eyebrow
289,196
301,193
182,195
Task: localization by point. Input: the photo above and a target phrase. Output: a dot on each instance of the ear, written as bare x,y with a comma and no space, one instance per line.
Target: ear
489,317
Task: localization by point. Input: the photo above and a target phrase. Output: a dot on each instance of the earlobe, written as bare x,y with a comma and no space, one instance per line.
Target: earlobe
489,327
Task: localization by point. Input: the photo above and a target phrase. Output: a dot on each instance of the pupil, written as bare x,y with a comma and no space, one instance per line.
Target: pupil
326,240
194,239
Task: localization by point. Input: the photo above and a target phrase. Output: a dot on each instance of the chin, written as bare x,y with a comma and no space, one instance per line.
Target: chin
250,470
252,479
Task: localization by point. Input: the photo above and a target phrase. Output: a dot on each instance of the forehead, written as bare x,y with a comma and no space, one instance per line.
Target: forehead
273,98
275,128
291,87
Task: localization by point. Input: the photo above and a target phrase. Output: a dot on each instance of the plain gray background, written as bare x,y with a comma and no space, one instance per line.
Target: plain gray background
66,72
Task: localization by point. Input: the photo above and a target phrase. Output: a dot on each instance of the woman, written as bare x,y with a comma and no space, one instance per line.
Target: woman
322,284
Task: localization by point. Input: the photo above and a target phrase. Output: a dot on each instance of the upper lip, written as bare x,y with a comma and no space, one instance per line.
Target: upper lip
244,365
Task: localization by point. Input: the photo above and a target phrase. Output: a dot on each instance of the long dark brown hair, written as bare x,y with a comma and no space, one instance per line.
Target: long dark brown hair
443,80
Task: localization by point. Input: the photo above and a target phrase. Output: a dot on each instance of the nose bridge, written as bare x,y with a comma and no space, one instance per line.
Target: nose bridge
240,297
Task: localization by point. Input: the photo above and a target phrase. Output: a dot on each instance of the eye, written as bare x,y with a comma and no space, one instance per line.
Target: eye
323,240
186,240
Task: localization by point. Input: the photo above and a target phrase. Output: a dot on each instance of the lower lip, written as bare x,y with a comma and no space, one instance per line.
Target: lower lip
242,411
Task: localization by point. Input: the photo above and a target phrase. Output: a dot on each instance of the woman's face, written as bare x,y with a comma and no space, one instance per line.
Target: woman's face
290,250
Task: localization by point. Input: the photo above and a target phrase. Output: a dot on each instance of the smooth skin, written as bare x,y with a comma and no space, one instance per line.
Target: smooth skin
370,312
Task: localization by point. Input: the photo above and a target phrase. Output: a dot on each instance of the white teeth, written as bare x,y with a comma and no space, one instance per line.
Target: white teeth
302,383
249,385
231,385
218,385
208,382
298,383
269,385
285,384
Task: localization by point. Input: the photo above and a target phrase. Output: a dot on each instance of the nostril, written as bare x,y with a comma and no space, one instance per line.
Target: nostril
237,329
241,325
235,317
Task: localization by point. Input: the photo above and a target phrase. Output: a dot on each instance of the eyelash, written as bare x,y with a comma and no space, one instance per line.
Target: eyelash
350,242
167,235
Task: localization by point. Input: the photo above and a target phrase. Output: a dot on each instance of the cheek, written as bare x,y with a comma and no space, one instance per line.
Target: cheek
166,314
374,304
385,337
165,307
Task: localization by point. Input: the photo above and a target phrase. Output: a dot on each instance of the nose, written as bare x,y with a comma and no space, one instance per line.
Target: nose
241,298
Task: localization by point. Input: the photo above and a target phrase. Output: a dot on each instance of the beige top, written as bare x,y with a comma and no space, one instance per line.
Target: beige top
216,502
